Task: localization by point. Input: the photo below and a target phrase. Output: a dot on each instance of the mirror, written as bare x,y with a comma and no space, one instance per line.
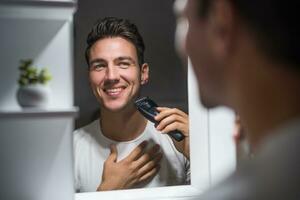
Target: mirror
149,19
167,86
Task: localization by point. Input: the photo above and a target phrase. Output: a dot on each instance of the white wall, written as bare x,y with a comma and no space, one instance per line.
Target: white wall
218,123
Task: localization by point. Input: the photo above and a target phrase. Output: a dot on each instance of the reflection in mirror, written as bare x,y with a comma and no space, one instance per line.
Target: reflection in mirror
109,141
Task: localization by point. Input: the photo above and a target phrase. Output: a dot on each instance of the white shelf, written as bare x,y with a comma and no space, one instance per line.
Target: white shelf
35,142
40,113
43,31
30,9
58,3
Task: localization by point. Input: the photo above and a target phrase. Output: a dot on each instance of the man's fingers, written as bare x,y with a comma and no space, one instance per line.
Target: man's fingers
150,174
164,112
149,170
170,119
147,156
176,126
137,151
113,153
150,165
171,124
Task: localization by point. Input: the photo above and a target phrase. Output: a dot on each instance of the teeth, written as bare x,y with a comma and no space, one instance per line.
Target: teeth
114,90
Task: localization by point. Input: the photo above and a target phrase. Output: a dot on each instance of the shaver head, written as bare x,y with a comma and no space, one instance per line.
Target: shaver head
147,108
145,102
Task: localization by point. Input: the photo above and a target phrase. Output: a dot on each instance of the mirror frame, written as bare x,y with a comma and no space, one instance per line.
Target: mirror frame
199,154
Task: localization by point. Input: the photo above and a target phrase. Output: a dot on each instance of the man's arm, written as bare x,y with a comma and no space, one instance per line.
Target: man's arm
137,167
171,119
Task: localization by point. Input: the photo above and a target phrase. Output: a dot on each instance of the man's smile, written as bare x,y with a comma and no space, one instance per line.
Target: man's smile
114,92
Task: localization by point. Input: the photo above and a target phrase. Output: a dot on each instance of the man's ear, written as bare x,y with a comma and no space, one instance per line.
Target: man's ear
144,73
222,27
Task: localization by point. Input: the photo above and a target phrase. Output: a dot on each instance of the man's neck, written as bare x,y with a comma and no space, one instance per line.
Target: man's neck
264,92
261,124
269,100
125,125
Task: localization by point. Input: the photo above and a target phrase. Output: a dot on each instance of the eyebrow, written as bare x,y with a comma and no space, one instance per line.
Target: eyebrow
121,58
97,60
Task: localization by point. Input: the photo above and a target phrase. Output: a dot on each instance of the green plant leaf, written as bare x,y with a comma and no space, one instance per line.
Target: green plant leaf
31,75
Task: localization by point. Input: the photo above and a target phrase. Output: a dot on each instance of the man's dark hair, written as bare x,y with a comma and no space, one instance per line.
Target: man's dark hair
275,25
110,27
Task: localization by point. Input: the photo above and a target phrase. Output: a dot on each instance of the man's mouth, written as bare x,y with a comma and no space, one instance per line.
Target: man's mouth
114,91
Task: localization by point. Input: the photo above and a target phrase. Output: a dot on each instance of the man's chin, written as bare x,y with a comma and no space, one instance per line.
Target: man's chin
114,109
208,103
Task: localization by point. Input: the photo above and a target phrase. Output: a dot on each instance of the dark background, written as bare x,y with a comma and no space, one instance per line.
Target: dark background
156,22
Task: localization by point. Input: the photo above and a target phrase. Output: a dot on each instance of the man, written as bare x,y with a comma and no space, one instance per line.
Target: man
122,149
246,56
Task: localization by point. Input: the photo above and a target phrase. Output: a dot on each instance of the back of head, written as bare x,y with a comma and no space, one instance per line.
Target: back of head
116,27
274,24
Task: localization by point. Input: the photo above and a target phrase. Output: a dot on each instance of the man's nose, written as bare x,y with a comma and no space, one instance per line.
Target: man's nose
112,73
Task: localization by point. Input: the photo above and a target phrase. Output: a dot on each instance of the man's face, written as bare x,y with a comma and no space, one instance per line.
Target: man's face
115,75
200,47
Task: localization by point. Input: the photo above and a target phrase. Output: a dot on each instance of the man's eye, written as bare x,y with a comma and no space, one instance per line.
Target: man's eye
124,65
98,67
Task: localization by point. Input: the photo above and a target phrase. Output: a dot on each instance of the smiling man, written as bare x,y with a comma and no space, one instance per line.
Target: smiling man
122,149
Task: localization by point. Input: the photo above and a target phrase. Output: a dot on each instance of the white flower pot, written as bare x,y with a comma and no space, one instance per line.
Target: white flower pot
35,95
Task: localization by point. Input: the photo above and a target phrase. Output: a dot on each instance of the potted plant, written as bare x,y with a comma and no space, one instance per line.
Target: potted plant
33,90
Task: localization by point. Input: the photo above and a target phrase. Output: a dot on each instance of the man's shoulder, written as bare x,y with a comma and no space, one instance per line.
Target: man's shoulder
86,131
235,187
88,127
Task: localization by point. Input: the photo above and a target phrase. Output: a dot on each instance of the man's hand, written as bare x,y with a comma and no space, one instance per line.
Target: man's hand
171,119
241,143
137,167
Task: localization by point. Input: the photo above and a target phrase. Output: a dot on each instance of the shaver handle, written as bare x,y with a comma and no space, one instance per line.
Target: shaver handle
177,135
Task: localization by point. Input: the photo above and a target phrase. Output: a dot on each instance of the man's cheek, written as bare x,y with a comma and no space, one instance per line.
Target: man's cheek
95,79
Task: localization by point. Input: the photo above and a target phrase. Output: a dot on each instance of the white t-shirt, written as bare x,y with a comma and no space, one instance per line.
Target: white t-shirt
91,149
